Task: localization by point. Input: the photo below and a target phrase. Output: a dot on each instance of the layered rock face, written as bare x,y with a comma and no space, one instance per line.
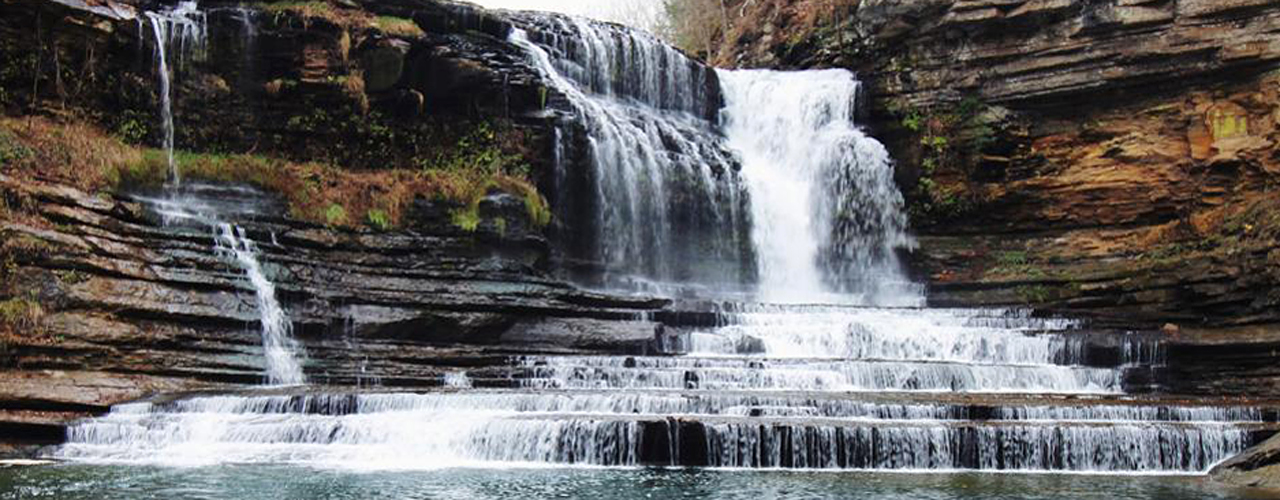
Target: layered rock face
134,306
1113,158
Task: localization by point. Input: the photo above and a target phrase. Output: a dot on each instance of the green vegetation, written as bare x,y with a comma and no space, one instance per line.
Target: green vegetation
461,173
335,215
1034,294
71,278
398,26
379,219
11,151
951,138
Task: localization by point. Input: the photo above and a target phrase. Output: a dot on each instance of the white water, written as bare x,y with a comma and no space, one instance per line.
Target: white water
654,160
943,406
826,214
277,340
280,351
183,31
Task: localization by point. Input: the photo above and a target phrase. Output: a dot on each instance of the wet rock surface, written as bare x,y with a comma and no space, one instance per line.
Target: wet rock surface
1257,467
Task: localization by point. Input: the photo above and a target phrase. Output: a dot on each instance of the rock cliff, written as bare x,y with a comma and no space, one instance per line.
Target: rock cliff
1114,158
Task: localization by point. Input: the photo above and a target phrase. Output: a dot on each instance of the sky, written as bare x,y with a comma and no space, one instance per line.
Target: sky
633,12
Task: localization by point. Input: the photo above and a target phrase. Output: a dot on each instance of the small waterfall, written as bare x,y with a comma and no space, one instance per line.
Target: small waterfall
183,32
203,206
277,339
827,216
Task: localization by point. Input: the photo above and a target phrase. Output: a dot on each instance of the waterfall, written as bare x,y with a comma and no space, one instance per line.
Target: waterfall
181,30
818,388
277,341
815,194
204,206
779,188
181,33
827,216
665,202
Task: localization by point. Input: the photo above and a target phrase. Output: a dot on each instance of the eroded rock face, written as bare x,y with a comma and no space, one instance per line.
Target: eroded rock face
1009,51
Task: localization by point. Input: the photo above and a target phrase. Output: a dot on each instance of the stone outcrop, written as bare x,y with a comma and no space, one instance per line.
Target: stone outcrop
1258,467
1012,52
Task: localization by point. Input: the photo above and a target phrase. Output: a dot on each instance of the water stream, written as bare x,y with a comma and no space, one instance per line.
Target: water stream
205,207
180,33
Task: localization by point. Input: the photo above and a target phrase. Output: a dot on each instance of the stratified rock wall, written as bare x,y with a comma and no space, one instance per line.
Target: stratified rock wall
1112,158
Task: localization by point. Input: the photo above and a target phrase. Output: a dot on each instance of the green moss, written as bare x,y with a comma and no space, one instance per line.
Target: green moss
379,219
335,215
467,218
398,26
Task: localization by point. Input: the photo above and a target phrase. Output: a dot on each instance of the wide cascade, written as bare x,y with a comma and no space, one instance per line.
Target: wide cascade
781,171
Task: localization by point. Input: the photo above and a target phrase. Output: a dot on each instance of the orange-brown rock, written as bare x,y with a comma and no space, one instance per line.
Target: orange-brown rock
1115,158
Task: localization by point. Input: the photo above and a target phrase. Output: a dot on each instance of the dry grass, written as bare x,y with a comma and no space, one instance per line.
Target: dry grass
85,157
20,324
345,17
70,153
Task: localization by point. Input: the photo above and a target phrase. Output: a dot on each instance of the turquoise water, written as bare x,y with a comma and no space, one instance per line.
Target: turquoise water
283,482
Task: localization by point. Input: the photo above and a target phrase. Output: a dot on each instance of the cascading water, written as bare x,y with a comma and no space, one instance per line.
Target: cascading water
826,214
277,342
836,388
664,193
795,386
183,32
202,206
